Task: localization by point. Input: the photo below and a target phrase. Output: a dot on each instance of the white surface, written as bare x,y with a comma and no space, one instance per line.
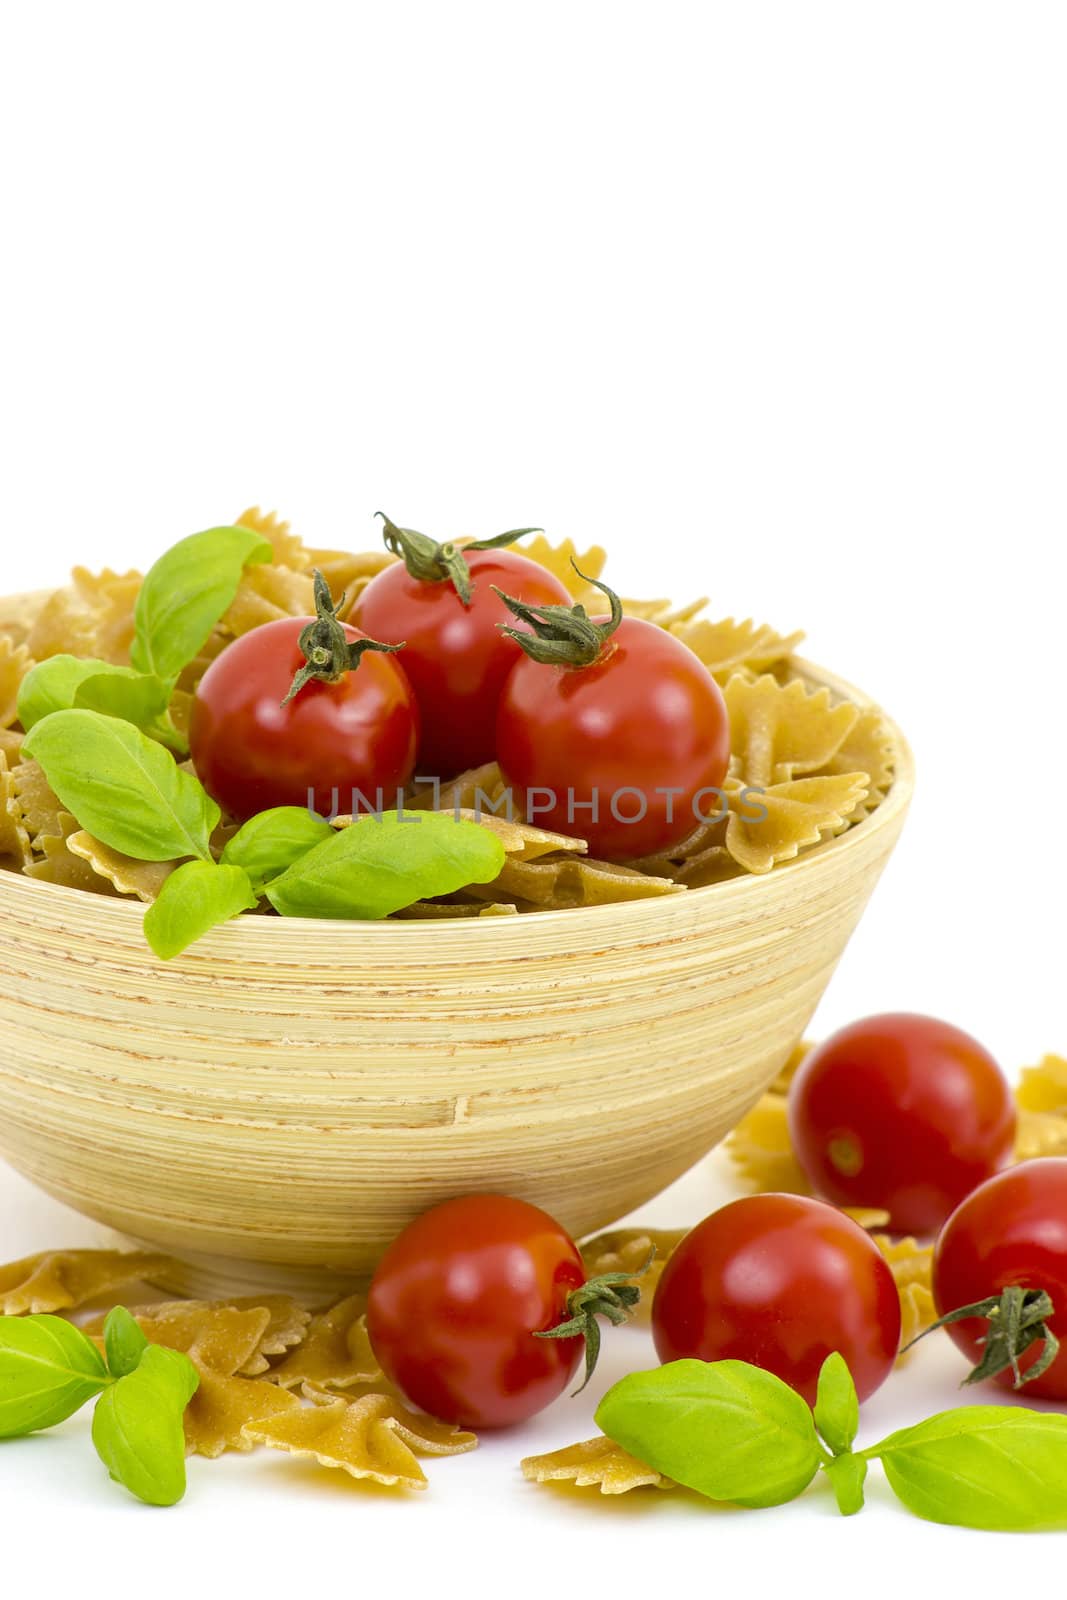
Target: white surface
769,299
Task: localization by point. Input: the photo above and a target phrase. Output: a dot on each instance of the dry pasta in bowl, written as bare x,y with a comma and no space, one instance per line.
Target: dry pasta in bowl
804,762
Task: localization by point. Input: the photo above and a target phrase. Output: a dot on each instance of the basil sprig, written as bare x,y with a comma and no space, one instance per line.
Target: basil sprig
736,1433
123,787
183,596
49,1369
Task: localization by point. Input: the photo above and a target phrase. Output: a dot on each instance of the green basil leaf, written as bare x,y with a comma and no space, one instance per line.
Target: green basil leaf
137,697
53,685
137,1426
186,592
122,786
996,1467
837,1406
270,842
847,1473
196,897
124,1342
48,1369
729,1430
377,865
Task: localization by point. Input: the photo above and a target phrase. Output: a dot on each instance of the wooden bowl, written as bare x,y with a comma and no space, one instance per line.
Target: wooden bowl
273,1106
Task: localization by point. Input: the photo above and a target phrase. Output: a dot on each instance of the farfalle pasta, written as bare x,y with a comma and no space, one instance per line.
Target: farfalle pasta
335,1351
62,1280
594,1464
370,1435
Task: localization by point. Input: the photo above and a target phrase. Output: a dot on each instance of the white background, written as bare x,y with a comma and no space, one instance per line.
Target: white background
770,299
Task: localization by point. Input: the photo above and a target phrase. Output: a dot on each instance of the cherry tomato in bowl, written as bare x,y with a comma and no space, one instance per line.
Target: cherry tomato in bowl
1009,1234
902,1113
782,1282
442,601
612,729
480,1310
269,727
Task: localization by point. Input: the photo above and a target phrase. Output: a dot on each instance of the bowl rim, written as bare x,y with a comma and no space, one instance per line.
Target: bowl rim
728,892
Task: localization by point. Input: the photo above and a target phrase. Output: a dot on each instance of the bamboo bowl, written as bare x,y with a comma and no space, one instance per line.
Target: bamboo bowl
273,1106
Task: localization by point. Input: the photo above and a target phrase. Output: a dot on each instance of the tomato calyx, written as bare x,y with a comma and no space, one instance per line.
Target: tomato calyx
563,636
1018,1318
432,562
328,651
613,1295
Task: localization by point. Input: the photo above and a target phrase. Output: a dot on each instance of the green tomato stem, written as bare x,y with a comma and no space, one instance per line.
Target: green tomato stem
562,636
328,652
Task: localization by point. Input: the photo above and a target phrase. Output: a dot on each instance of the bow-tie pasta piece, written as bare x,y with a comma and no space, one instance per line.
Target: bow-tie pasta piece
779,733
125,874
63,1280
288,1326
287,547
729,646
219,1338
777,823
595,1464
335,1352
371,1436
38,807
57,863
217,1417
15,663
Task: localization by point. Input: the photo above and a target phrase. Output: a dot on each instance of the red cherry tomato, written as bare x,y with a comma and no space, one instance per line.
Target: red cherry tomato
782,1282
457,1300
1010,1232
455,655
903,1113
251,752
642,733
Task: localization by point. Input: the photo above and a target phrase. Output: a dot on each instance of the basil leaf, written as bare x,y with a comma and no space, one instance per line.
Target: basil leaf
122,786
196,897
53,685
48,1369
729,1430
124,1342
847,1473
137,1426
271,841
376,866
186,592
837,1407
993,1467
137,697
